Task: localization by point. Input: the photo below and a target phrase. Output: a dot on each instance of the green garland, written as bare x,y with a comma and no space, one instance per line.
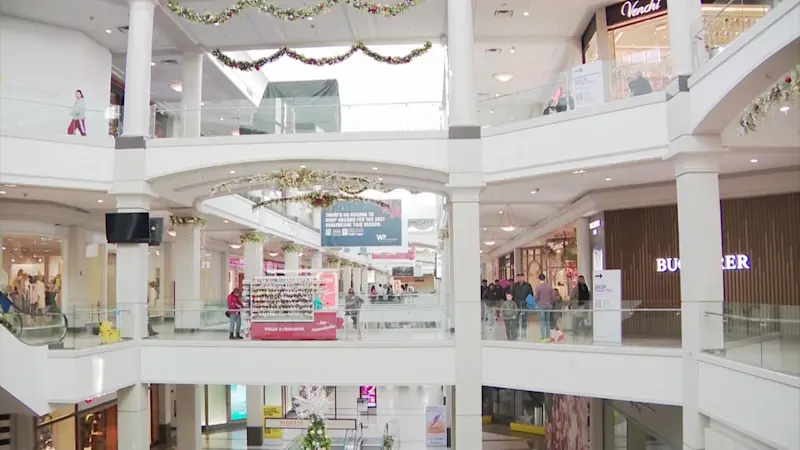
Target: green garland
291,248
186,221
304,179
316,437
388,442
251,238
208,18
326,61
333,260
444,233
317,200
782,94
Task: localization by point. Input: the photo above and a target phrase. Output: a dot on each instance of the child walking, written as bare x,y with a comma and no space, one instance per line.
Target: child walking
510,317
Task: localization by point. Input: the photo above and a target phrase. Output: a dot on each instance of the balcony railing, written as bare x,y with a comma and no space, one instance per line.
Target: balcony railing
721,25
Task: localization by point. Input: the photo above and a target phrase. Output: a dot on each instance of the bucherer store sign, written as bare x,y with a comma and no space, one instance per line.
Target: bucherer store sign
729,262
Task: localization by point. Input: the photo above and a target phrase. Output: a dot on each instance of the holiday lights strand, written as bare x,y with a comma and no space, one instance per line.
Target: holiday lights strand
290,14
318,200
785,93
326,61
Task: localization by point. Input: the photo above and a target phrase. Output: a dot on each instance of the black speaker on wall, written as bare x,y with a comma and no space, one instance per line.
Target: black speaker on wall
128,228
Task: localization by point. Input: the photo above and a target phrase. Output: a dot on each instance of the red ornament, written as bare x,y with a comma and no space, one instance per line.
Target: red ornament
787,80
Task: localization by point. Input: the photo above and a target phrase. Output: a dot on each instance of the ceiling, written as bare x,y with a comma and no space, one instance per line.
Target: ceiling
26,248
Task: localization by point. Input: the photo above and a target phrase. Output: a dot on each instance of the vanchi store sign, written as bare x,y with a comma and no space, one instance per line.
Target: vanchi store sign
634,10
729,262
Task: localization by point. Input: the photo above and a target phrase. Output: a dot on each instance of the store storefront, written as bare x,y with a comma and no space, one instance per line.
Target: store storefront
33,266
505,267
759,261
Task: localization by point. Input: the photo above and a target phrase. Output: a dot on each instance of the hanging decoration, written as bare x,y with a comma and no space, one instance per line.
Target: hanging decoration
312,404
325,61
302,179
783,94
333,260
291,248
251,238
444,234
187,221
317,199
421,224
290,14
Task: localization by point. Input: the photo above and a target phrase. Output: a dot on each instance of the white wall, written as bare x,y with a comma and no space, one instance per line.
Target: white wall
42,66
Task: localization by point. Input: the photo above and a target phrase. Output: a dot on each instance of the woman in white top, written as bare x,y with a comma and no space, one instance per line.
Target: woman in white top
39,300
78,113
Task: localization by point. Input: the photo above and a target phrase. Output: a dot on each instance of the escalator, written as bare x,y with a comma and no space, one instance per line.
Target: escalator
47,328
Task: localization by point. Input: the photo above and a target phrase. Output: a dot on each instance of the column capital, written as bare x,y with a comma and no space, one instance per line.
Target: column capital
464,194
132,202
143,4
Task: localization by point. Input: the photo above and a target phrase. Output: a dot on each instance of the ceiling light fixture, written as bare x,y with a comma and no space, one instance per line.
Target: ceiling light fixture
509,222
489,243
374,168
784,109
152,63
225,221
526,14
608,179
503,76
231,172
578,172
491,111
380,179
99,201
108,31
172,232
302,166
500,212
10,185
513,50
176,86
535,191
2,192
753,161
235,246
300,254
273,254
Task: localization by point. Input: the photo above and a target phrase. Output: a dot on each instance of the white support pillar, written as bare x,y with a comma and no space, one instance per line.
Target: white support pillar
192,93
72,290
357,280
685,20
255,403
133,417
291,261
137,68
187,416
700,249
465,235
253,260
316,260
347,277
364,280
583,239
186,268
460,53
132,273
519,266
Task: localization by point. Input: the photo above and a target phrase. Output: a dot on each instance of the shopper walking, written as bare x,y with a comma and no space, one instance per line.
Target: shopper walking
78,114
581,299
492,298
543,296
520,292
352,306
510,317
234,314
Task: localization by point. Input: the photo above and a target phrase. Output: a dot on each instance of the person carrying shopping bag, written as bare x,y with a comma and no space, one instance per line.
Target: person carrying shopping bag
78,114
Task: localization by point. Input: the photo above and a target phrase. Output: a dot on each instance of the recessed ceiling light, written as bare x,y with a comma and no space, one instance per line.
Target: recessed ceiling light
235,246
235,133
272,253
535,191
481,251
221,118
500,212
152,63
299,254
2,192
10,185
491,111
784,109
578,172
2,248
99,201
484,228
310,18
231,172
108,31
526,14
302,166
513,50
489,243
753,161
374,168
225,221
503,76
176,86
172,232
608,179
380,179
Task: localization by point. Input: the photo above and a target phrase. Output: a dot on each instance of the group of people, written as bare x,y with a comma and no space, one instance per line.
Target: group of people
513,302
30,293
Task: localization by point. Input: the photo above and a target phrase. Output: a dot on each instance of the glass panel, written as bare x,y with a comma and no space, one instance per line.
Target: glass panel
238,401
217,404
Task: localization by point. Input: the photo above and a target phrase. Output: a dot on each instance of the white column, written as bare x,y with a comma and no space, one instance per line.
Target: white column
293,210
357,279
365,280
186,268
684,22
291,261
519,266
465,235
255,403
131,278
700,248
583,239
316,260
192,93
253,260
137,69
347,277
72,290
460,51
187,416
133,417
596,424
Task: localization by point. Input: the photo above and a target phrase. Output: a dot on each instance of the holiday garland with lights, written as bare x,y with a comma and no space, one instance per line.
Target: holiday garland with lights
303,179
326,61
318,199
187,221
291,248
290,14
785,93
251,238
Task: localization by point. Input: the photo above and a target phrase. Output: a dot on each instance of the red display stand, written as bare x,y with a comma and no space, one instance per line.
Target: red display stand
323,328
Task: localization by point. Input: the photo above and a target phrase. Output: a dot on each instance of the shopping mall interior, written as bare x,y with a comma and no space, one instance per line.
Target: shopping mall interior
423,224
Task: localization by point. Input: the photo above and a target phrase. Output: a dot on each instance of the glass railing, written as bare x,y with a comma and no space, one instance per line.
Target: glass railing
93,327
48,119
581,326
240,118
721,24
765,336
369,322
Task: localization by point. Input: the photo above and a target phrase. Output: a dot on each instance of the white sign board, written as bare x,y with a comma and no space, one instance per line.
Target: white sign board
588,84
435,426
607,320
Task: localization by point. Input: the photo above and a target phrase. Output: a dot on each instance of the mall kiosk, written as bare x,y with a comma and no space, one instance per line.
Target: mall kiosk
292,305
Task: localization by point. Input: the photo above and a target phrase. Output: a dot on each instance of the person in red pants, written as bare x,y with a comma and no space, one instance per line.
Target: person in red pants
78,113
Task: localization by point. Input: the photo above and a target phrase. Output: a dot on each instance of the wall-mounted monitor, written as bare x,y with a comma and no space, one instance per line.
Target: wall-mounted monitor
128,228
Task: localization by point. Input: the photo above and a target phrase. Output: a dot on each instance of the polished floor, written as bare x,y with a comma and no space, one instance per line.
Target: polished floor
402,407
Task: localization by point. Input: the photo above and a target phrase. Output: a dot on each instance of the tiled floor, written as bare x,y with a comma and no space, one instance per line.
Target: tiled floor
402,406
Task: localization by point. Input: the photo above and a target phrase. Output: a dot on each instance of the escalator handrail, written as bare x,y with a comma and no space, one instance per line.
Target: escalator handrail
15,314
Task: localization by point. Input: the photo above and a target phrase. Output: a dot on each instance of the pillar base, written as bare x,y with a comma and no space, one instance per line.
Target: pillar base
255,436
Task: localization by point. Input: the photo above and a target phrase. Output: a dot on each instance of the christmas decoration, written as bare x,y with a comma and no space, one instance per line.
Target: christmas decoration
187,221
304,179
388,442
317,199
333,260
291,248
208,18
784,93
444,233
326,61
312,404
251,237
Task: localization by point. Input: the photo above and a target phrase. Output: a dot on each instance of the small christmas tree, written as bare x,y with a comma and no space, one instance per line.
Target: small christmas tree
316,437
313,406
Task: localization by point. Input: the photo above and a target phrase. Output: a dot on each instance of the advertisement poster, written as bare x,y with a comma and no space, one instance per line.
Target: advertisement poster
588,86
352,224
323,328
370,394
435,426
410,255
607,320
331,282
238,402
272,412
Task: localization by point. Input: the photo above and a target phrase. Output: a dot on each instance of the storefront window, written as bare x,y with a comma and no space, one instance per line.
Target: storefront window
56,431
591,52
217,404
238,402
34,267
97,430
